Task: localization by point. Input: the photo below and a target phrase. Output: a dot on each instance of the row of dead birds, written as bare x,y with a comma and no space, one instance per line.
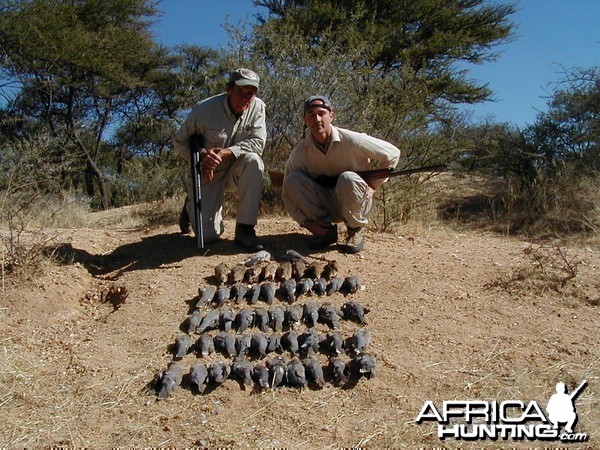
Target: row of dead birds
276,317
277,372
260,345
267,291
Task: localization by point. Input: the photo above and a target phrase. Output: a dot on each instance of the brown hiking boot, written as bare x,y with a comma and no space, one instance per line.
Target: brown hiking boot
326,240
246,237
355,241
184,220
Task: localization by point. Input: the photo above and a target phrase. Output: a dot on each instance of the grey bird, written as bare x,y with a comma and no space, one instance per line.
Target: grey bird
293,315
354,312
221,296
225,343
274,343
304,287
314,371
359,341
330,270
183,345
276,318
364,365
242,344
334,343
261,319
226,319
268,271
289,341
243,320
237,273
252,274
259,344
253,294
309,341
260,375
199,376
284,271
310,313
238,292
218,372
267,292
170,380
258,257
292,255
334,285
298,269
210,321
338,370
329,315
320,286
242,370
193,321
277,371
296,374
350,285
205,345
221,273
205,296
315,269
287,290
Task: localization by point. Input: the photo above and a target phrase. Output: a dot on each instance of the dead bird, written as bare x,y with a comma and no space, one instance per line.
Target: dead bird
338,369
350,285
193,321
287,290
253,294
309,341
274,343
199,376
221,272
329,315
304,287
218,372
169,380
289,342
310,313
238,292
293,315
276,318
259,344
320,286
221,296
252,274
354,312
258,257
243,320
267,292
334,343
298,269
330,270
205,296
210,321
363,364
242,344
183,345
226,319
225,343
205,345
242,370
296,374
268,271
277,371
261,319
260,375
334,285
315,269
284,271
292,255
314,371
237,273
359,341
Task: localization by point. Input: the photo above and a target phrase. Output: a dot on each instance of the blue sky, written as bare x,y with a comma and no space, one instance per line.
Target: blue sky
550,35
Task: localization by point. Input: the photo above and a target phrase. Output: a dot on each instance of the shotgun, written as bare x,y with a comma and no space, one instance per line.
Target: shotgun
196,144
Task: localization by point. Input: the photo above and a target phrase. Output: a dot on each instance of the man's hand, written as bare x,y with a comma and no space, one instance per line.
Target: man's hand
211,159
317,227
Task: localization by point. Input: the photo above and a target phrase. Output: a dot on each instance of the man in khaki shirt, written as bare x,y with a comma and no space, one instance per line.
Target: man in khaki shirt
233,128
329,150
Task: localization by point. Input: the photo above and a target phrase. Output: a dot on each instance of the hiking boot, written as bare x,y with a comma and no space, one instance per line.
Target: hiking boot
355,241
184,220
246,237
326,240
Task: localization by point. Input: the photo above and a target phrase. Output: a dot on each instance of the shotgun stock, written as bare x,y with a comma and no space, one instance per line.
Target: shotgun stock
196,144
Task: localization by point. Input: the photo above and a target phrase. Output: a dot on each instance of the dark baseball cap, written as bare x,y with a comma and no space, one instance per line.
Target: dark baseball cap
244,77
317,100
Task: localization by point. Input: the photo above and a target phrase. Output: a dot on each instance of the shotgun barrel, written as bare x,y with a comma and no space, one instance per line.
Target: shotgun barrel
196,144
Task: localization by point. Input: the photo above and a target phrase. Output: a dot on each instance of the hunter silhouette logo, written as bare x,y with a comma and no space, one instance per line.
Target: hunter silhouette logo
509,419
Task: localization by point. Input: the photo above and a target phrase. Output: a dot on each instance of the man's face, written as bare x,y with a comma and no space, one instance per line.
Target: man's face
240,98
318,120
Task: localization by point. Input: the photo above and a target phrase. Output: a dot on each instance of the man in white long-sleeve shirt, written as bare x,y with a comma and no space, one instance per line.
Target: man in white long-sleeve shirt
233,129
329,150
